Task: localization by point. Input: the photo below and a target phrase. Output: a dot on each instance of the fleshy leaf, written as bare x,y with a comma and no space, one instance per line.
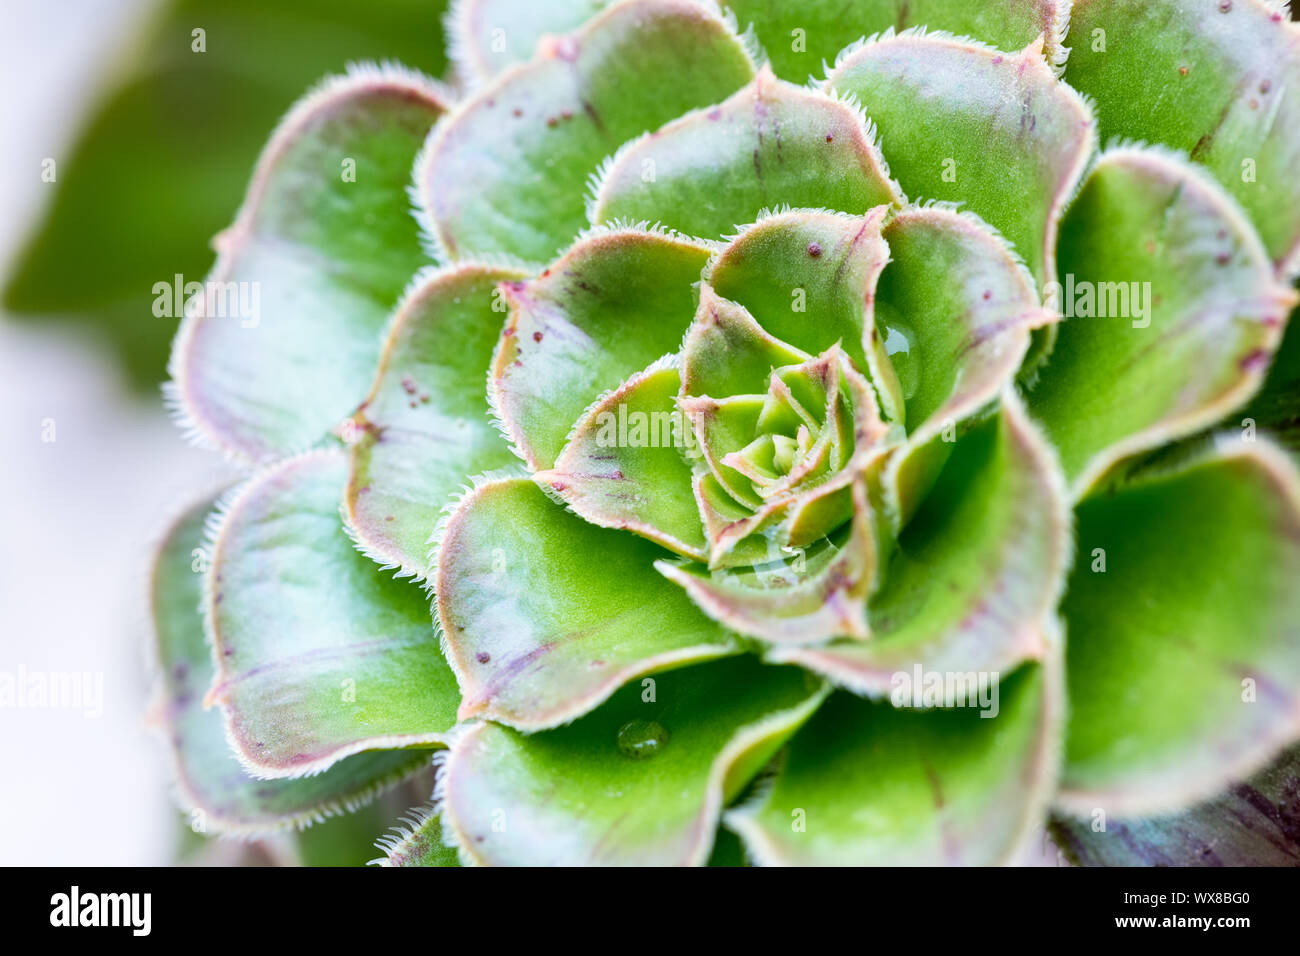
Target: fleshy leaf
1216,80
1150,229
770,144
1253,824
486,36
1183,661
626,464
812,595
614,303
799,36
417,841
789,487
640,781
718,511
319,654
546,615
977,573
799,264
504,173
723,426
954,312
726,352
218,794
282,341
866,783
425,428
966,123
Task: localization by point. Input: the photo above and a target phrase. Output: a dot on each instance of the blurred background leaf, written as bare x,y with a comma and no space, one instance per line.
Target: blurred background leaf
162,160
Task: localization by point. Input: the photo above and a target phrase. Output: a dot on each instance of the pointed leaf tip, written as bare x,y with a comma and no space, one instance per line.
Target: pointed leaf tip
545,615
425,425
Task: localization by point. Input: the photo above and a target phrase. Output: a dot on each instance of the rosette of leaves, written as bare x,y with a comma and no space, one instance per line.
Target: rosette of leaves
726,413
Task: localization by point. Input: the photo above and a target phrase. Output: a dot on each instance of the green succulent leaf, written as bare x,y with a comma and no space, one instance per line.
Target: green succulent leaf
805,596
546,615
613,304
724,426
955,316
626,464
217,792
966,123
808,278
640,781
312,266
319,654
504,173
1198,690
954,311
1215,80
770,144
484,37
798,37
726,352
1251,824
419,841
773,471
788,538
425,425
1149,229
866,783
976,575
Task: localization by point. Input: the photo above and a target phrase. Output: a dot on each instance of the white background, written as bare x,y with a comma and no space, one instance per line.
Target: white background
78,517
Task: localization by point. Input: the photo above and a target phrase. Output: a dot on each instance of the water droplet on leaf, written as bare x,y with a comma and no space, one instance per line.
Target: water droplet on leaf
900,346
641,738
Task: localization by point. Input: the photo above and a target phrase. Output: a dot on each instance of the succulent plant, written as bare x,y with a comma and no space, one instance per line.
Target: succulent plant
856,466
